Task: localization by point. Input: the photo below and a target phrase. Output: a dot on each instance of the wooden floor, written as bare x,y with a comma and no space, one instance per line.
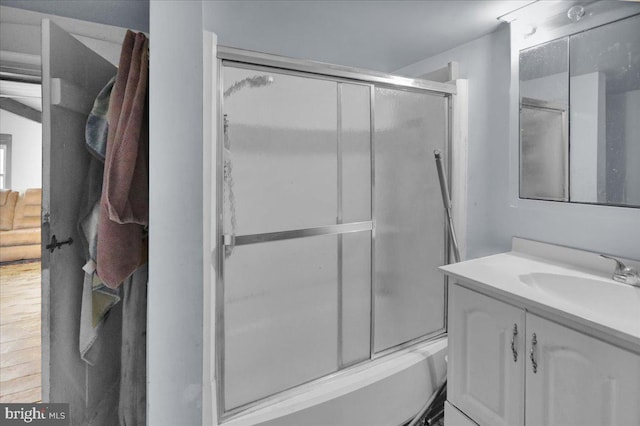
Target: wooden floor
20,353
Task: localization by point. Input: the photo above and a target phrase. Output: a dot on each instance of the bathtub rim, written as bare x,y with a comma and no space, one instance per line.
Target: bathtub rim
338,384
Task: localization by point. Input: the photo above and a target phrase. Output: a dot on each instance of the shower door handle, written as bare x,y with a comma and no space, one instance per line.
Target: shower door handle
228,240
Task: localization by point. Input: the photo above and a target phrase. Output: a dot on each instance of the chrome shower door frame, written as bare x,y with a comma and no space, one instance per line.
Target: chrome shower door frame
340,74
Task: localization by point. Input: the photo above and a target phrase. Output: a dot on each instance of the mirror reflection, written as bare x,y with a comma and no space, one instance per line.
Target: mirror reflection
544,99
584,89
605,114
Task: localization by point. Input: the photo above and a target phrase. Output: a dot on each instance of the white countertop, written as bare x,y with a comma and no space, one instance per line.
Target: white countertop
502,275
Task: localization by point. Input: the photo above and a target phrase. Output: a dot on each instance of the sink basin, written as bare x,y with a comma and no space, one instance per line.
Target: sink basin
602,298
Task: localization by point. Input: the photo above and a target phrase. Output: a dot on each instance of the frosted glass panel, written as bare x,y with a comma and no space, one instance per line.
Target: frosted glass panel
543,154
356,297
356,152
544,99
281,310
409,218
280,152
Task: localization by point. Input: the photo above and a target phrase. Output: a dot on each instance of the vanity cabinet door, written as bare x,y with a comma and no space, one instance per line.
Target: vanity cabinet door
486,379
575,379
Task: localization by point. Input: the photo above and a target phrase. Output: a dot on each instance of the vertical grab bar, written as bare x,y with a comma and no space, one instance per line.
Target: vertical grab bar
446,199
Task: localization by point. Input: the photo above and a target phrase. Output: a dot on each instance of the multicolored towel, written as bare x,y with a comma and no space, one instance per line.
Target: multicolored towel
97,127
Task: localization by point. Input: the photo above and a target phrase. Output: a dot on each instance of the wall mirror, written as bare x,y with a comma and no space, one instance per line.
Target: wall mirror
580,117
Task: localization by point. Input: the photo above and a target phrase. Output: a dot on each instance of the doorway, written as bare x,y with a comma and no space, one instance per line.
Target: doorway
20,240
51,337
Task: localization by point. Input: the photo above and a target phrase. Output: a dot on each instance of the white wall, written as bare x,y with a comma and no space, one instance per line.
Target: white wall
175,295
26,150
495,213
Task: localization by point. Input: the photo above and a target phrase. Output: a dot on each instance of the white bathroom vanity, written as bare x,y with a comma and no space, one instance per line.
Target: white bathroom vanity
542,335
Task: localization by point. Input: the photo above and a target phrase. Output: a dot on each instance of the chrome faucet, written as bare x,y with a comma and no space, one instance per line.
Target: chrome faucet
623,273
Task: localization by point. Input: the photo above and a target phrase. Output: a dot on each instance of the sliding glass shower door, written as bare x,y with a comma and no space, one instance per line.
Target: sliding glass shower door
409,217
297,204
332,226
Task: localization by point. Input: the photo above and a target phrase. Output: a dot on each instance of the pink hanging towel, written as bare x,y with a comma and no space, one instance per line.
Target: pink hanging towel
124,204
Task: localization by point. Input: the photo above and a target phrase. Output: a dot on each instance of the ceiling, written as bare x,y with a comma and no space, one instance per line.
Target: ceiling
377,35
132,14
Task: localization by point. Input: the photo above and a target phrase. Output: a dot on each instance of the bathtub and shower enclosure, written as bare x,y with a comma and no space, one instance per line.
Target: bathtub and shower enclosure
330,224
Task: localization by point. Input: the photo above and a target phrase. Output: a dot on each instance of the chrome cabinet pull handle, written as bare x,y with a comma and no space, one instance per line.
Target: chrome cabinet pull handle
514,351
534,364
